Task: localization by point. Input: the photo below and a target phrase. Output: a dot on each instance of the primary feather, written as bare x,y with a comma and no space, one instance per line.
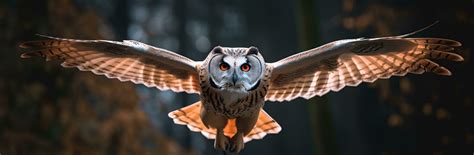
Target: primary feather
349,62
127,61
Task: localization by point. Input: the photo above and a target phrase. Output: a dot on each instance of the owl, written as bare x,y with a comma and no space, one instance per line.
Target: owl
234,83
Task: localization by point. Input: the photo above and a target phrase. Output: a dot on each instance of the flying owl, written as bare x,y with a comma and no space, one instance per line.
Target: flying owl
234,83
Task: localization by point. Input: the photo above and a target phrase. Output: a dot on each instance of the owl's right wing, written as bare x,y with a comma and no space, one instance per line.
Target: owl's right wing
127,61
352,61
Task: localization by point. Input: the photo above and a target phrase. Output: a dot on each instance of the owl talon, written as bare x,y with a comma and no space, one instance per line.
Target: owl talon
237,143
221,142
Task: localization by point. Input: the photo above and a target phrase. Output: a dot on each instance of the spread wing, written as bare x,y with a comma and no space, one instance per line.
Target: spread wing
352,61
127,61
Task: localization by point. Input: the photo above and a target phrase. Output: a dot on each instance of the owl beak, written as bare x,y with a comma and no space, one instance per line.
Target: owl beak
234,78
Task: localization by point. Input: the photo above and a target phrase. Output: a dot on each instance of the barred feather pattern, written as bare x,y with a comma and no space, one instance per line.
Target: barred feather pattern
126,61
214,101
354,68
190,116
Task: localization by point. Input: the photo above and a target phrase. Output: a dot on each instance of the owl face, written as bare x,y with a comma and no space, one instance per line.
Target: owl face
235,69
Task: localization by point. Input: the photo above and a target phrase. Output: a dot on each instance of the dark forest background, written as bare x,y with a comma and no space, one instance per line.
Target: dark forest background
46,109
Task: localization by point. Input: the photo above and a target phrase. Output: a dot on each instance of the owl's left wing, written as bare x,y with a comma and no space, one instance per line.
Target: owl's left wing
127,61
352,61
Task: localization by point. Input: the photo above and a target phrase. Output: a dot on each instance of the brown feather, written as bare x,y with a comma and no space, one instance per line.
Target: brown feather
122,60
353,69
190,116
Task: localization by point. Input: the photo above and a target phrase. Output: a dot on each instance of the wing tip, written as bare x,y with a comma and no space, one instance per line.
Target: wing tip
30,55
35,43
442,71
25,56
418,31
46,36
455,57
23,45
455,43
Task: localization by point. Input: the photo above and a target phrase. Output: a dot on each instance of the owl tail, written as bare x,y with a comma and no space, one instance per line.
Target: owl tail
190,116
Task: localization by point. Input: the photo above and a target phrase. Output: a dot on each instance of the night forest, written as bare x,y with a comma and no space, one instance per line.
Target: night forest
47,109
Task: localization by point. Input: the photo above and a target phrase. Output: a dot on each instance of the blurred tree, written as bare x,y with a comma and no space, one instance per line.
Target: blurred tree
320,114
49,110
45,109
425,114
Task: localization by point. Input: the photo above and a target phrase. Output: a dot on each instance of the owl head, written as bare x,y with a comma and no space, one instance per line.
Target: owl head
235,69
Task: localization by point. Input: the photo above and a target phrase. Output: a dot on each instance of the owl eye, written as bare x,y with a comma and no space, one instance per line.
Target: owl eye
224,66
245,67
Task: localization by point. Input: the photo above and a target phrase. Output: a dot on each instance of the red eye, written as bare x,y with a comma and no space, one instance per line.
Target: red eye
224,66
245,67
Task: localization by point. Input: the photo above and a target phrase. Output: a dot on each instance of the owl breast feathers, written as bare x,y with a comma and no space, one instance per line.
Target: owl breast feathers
234,83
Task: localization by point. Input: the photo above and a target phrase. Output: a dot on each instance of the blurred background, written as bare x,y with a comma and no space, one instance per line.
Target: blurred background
46,109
